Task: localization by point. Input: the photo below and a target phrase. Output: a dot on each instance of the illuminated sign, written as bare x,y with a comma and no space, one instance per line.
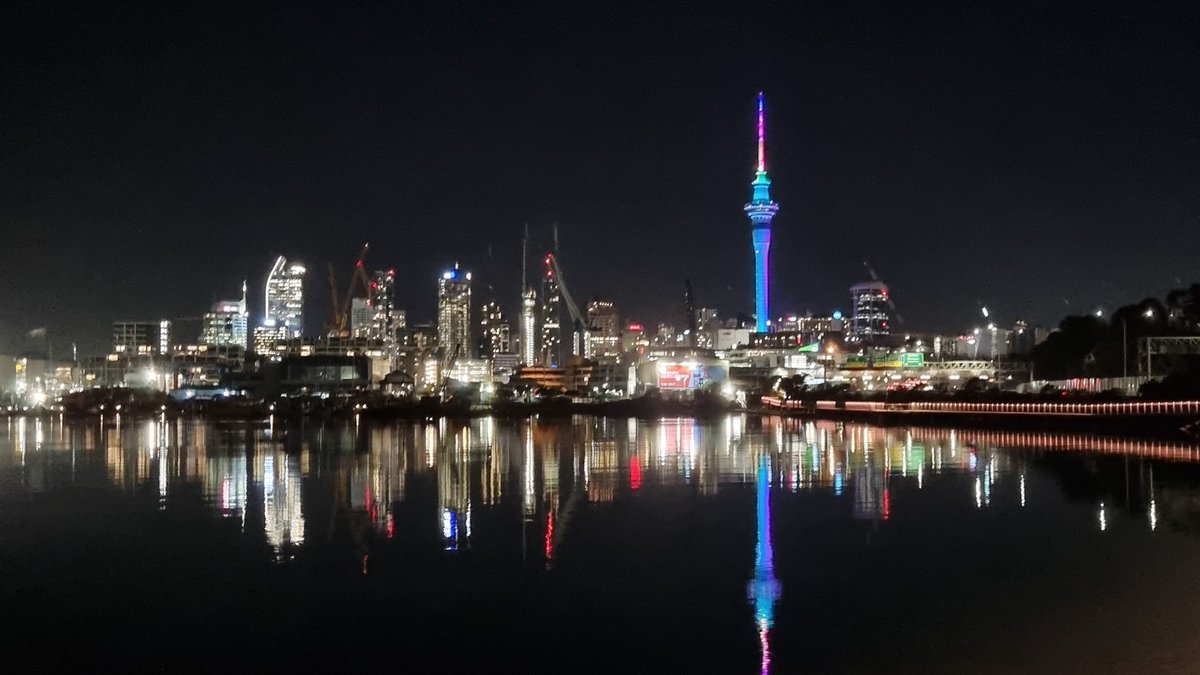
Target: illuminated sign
905,360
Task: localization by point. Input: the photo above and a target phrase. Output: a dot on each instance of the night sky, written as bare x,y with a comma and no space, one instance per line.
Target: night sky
1039,158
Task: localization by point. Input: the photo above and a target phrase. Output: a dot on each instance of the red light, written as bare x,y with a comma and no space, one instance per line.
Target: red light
887,504
358,264
391,526
549,534
392,272
635,473
635,326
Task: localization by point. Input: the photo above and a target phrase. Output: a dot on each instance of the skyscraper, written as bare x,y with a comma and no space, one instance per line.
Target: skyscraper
551,346
454,314
362,318
870,317
761,211
529,342
284,301
226,325
497,334
604,330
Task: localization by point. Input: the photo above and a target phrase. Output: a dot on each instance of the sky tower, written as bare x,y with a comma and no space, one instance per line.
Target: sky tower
761,210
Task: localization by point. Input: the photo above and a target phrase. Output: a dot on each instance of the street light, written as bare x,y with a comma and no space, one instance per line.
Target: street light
1149,314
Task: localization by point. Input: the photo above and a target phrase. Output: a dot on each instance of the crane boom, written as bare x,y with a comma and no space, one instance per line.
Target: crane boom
341,308
572,308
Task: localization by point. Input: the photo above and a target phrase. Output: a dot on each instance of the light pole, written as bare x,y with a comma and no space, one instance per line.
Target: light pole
1149,314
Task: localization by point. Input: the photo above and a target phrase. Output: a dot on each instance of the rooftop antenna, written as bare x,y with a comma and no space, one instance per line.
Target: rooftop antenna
525,260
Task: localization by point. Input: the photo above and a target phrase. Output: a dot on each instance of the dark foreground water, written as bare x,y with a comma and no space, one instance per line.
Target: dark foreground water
595,545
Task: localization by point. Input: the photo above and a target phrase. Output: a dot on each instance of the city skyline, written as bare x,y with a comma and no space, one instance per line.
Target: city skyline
985,156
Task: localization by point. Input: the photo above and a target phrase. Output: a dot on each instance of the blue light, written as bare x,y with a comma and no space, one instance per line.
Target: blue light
837,315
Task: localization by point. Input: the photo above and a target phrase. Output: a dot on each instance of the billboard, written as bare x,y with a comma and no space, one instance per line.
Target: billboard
680,376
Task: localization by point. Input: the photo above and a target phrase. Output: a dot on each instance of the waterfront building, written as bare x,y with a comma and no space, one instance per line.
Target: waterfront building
284,297
761,210
454,314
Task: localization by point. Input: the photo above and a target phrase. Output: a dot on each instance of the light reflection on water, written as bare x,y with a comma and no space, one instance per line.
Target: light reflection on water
298,485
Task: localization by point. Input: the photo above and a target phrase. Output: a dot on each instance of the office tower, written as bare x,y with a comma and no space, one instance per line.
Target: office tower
496,332
870,315
551,344
362,318
226,324
284,301
604,330
454,314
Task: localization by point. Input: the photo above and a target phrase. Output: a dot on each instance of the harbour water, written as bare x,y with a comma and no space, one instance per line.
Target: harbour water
741,545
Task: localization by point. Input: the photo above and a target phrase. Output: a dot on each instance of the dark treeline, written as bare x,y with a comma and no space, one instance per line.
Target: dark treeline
1107,346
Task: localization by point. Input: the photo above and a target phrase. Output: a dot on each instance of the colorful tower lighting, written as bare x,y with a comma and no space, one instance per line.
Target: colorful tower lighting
764,589
761,211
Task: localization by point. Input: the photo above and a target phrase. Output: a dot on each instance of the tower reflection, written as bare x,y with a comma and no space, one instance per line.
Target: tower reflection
764,589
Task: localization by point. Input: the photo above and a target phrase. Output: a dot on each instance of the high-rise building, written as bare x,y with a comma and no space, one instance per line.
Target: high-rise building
551,344
386,321
604,330
362,318
529,343
284,301
761,211
454,314
870,316
226,324
134,338
496,332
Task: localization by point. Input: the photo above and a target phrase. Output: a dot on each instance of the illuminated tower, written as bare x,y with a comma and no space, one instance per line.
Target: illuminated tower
761,211
764,589
529,343
454,314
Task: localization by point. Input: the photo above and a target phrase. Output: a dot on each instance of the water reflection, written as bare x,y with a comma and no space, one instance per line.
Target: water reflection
764,588
480,486
551,466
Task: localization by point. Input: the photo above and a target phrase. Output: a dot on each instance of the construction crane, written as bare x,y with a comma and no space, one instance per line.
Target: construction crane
339,321
580,323
689,306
